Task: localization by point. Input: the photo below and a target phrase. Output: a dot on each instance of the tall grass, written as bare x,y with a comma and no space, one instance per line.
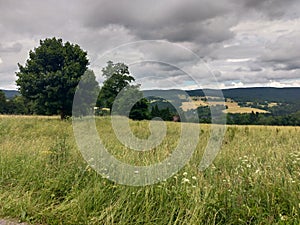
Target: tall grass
255,178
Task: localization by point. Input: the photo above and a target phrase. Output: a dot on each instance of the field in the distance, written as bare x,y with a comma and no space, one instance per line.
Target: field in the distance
232,106
255,178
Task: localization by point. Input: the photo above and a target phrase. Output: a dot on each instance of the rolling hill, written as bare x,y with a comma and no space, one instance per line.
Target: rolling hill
259,94
10,93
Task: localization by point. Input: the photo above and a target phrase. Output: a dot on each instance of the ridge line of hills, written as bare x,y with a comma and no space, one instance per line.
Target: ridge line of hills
271,94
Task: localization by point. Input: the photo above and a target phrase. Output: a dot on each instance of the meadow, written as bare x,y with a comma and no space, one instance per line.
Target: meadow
44,179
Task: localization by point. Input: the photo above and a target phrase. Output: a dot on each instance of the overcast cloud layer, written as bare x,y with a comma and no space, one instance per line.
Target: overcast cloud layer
243,42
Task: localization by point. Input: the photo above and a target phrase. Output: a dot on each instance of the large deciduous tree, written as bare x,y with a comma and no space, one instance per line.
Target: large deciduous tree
50,76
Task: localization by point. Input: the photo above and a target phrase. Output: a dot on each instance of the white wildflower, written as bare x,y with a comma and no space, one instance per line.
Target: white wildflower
185,180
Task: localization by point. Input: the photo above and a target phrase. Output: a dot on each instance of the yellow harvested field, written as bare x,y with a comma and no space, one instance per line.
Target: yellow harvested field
232,107
192,105
244,110
272,104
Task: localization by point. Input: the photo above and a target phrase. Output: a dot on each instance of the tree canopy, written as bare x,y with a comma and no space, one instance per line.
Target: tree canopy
118,93
50,76
117,78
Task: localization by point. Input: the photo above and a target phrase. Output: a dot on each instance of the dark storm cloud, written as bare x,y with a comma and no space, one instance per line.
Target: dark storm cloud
204,26
176,21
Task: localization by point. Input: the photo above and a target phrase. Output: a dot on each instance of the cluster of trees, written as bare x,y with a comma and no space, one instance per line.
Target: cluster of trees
54,71
164,113
15,105
264,119
291,119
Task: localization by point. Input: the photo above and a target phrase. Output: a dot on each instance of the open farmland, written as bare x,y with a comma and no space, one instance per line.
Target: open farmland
232,106
255,178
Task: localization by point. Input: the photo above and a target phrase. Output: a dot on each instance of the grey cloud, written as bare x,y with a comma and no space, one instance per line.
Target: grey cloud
249,68
271,8
153,14
15,48
284,54
177,21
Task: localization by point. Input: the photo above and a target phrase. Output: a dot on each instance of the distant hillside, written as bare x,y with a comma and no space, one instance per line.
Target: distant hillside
259,94
10,93
289,95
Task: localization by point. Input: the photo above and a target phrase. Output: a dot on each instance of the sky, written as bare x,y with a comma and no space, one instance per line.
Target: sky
187,44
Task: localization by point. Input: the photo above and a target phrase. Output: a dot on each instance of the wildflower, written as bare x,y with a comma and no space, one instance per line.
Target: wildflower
283,217
194,178
185,180
184,174
136,172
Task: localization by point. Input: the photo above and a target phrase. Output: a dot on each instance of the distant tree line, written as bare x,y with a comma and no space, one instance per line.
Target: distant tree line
290,119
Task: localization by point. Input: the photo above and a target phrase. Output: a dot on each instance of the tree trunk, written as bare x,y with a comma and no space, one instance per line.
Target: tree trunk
63,115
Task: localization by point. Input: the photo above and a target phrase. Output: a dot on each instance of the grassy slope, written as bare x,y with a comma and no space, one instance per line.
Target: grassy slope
43,178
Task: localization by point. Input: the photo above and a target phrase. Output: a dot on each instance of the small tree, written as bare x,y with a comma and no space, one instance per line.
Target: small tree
155,112
118,82
50,76
140,110
117,78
